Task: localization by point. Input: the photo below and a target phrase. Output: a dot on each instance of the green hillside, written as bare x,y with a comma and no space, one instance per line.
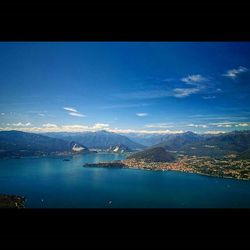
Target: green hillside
157,154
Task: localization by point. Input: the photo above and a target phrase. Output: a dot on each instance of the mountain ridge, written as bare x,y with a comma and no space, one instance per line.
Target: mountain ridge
101,139
18,143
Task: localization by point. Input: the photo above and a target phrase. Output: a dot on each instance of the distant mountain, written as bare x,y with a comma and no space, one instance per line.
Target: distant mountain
177,141
235,142
99,139
244,155
157,154
119,149
17,143
156,139
148,139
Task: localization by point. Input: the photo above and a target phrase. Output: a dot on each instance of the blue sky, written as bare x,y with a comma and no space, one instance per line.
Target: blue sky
146,87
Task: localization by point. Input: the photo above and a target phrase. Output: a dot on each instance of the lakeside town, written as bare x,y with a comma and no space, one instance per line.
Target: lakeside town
227,167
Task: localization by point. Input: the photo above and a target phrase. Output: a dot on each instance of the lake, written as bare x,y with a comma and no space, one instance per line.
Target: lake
50,182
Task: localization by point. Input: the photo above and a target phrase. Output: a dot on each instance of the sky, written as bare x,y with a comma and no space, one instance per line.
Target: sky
143,87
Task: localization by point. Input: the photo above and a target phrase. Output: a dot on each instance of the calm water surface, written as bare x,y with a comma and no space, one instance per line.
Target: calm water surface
52,182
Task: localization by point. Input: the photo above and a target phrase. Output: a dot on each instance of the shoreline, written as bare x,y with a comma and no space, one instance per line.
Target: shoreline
55,155
189,170
12,201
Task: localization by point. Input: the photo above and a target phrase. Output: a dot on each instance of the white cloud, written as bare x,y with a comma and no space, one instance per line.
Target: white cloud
76,114
25,129
20,124
196,80
125,131
100,125
233,73
162,93
242,125
193,79
197,125
142,114
230,124
184,92
2,113
225,125
214,132
40,114
50,125
74,128
70,109
158,125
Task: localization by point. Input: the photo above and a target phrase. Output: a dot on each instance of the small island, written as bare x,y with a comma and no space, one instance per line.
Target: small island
160,159
11,201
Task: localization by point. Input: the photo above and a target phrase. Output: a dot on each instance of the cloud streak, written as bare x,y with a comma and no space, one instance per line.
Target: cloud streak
70,109
158,125
142,114
233,73
194,79
242,125
185,92
76,114
230,124
100,125
73,112
215,132
20,124
197,82
50,125
197,125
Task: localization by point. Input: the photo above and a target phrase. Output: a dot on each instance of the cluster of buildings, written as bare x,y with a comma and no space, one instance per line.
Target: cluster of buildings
226,167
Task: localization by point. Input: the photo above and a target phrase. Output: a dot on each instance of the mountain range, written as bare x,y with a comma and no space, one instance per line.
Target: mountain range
189,143
236,142
21,143
100,139
17,143
154,139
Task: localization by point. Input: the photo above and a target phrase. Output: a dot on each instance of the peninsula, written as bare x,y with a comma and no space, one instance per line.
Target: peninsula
159,159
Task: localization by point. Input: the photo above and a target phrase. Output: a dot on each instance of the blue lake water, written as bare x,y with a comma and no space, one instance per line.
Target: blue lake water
53,183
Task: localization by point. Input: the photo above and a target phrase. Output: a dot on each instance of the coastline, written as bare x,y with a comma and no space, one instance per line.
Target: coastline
12,201
184,168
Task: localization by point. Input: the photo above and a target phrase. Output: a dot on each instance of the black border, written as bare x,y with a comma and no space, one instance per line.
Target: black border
124,20
196,228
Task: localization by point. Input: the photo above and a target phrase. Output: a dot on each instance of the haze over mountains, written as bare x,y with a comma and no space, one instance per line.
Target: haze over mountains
153,139
17,143
21,143
100,139
236,142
